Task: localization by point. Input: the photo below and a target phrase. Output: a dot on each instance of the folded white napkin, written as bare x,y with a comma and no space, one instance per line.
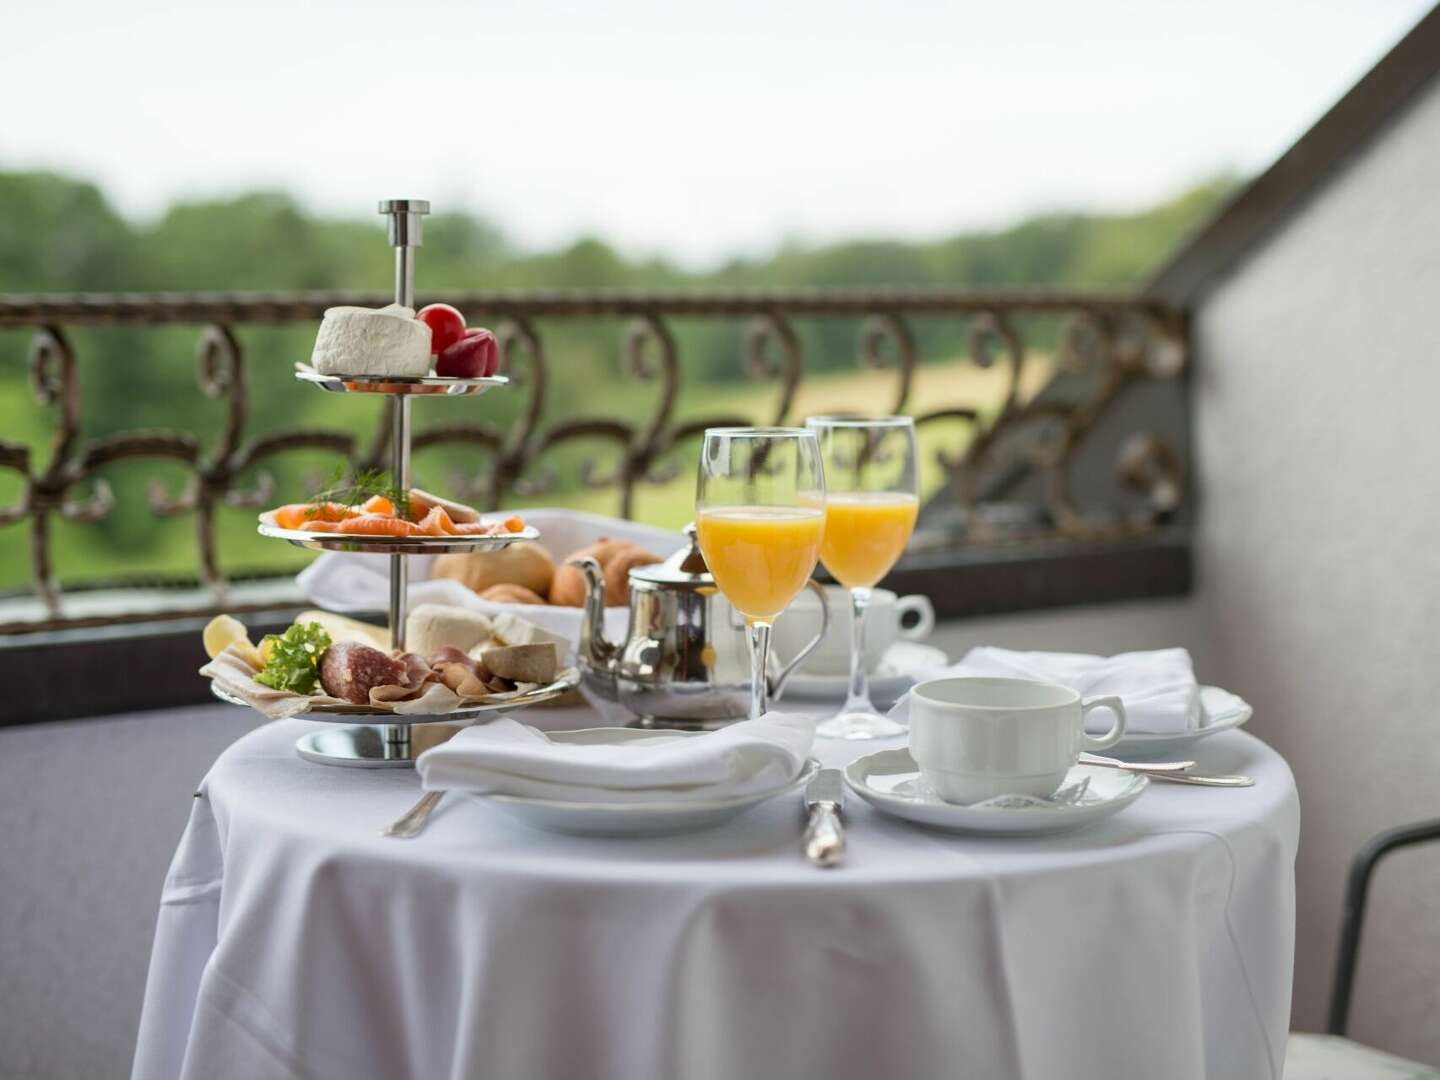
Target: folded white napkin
1158,688
509,758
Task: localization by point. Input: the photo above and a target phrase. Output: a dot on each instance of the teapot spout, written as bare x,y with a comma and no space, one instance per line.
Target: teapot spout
596,652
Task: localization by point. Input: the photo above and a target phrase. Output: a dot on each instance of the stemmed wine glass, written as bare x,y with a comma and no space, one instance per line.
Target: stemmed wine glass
871,503
759,517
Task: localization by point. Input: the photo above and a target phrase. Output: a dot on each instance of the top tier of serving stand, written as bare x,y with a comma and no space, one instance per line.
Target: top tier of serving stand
392,744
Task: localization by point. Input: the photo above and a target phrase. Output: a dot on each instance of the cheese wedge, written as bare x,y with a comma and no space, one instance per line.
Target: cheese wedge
509,629
431,627
537,663
369,341
341,628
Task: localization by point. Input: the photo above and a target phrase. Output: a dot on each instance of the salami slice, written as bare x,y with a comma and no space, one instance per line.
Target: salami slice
349,669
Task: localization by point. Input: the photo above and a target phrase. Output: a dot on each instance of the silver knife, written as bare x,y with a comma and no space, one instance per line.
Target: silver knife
824,835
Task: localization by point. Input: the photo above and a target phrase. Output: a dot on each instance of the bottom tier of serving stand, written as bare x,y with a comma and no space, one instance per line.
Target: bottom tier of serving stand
372,746
397,743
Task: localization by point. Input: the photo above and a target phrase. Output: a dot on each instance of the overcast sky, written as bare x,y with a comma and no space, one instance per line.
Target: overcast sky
692,130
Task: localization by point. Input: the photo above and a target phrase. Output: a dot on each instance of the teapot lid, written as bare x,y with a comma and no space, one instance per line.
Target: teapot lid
685,569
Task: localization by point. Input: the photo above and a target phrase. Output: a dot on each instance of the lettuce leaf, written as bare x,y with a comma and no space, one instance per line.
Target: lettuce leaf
293,658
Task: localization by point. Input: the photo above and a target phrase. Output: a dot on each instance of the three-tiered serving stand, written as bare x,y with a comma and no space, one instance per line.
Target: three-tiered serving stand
392,743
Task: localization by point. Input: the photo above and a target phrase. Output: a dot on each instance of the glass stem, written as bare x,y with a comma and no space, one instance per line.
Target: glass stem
759,632
858,699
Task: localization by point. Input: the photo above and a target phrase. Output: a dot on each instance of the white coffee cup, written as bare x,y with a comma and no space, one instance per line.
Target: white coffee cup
885,620
975,739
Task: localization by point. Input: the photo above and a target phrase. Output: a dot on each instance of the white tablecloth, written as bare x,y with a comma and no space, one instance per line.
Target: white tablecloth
294,941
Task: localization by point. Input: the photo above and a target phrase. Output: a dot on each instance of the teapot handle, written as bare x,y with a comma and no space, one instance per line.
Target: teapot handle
777,685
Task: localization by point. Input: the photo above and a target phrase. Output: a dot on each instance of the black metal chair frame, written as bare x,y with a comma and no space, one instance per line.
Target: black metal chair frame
1356,890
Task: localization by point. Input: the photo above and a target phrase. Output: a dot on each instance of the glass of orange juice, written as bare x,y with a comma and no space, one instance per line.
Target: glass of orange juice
871,502
759,517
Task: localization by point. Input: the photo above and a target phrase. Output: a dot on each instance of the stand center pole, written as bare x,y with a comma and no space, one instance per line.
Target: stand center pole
403,226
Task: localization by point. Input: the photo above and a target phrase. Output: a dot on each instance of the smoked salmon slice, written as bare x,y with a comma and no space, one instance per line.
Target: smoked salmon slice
437,523
295,515
475,528
378,504
365,525
378,516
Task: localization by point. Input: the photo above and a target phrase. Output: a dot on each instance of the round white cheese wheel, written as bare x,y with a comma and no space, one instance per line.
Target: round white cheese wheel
364,341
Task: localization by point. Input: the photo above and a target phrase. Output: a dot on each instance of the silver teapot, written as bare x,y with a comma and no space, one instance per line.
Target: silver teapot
685,660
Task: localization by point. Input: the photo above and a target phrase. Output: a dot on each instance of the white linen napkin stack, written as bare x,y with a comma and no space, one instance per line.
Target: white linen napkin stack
1158,687
509,758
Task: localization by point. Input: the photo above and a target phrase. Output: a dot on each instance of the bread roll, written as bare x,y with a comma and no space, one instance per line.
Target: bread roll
617,571
568,587
527,565
512,594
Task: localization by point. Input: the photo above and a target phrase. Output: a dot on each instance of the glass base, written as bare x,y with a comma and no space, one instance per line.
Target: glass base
859,724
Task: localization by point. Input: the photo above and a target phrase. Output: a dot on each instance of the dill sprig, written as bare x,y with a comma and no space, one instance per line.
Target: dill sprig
365,484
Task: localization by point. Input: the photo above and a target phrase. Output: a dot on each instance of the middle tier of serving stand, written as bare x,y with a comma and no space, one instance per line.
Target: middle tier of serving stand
395,742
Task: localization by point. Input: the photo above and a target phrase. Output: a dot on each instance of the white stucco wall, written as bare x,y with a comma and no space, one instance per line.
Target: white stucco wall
1317,401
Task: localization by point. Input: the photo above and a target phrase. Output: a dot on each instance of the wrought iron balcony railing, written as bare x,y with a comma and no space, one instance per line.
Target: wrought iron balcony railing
1094,347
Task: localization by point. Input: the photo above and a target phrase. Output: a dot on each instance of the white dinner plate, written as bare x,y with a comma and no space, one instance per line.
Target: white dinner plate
890,781
630,819
1220,711
903,664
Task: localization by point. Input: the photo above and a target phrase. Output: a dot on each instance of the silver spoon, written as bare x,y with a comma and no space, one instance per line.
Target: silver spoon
413,820
1147,767
1168,770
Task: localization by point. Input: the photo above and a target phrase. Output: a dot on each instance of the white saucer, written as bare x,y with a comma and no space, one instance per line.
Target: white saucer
630,819
1220,710
885,780
899,669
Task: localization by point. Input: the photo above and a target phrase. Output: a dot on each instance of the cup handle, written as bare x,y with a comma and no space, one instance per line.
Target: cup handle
921,607
1117,730
777,685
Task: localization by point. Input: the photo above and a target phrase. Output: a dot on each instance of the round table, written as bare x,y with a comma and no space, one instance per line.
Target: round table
295,941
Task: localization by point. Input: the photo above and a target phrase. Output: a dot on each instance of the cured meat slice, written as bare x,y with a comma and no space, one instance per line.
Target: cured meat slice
467,677
349,670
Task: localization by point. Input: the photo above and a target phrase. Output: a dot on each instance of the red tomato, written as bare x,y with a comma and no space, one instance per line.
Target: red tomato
446,326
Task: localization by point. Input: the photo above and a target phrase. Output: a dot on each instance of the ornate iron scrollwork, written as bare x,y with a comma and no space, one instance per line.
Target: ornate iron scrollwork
1100,346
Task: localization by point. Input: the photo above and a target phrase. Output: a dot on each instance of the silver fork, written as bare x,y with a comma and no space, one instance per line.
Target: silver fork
413,820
